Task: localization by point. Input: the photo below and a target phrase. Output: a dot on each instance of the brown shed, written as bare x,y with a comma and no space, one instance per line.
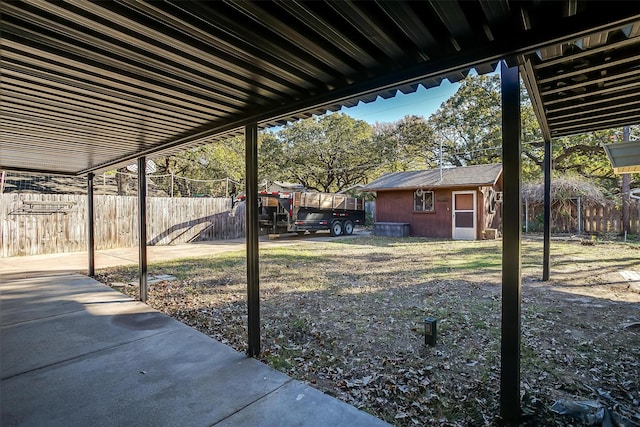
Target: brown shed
457,203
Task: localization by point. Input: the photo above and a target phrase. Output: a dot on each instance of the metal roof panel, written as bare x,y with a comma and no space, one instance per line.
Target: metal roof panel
126,79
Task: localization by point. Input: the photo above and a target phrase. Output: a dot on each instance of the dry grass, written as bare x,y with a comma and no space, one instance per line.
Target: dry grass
347,317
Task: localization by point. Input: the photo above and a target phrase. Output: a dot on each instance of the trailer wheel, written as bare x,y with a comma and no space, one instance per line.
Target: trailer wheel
348,228
336,228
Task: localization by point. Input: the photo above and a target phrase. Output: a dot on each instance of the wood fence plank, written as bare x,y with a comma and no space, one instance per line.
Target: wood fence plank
170,221
595,219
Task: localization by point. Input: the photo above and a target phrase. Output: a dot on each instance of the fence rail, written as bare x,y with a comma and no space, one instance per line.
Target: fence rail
32,224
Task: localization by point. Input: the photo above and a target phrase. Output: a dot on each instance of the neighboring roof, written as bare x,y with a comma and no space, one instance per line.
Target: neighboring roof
89,86
467,176
624,156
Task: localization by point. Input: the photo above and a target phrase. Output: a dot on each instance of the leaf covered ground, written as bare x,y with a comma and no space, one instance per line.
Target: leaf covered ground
346,316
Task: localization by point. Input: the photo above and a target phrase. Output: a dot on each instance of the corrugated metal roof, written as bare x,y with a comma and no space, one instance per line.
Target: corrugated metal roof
87,86
467,176
588,83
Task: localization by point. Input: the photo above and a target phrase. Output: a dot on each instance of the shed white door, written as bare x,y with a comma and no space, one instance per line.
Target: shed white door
464,215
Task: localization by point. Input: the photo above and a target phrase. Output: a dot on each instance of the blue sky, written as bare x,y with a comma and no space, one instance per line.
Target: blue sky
423,102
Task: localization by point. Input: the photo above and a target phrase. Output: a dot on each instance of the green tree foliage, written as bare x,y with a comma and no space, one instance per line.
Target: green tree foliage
327,153
579,154
406,144
469,123
469,126
271,158
334,152
215,161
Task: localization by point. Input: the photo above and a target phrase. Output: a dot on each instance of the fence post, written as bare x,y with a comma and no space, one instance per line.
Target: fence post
579,217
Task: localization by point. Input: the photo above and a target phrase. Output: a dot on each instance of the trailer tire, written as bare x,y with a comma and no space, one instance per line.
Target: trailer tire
348,228
336,228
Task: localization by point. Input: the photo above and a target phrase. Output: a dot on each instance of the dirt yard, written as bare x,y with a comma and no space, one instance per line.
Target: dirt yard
347,316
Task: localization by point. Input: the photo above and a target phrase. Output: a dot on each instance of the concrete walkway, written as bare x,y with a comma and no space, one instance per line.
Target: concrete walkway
74,352
78,261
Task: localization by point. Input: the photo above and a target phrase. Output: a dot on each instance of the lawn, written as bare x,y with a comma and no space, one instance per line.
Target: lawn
346,316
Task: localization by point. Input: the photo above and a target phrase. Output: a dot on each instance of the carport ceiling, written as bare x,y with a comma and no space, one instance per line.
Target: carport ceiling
88,86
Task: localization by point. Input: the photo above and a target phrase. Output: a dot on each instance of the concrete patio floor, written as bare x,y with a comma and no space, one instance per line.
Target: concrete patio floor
74,352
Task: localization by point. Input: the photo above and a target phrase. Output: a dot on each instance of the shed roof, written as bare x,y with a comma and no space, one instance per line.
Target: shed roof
624,156
466,176
87,86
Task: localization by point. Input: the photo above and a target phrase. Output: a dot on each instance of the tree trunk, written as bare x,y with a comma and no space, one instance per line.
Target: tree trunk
122,179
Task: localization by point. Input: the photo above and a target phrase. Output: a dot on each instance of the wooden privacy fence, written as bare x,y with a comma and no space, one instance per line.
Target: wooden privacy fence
572,217
34,224
608,219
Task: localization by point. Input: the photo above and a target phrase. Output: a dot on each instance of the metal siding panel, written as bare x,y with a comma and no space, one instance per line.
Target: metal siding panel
397,206
438,223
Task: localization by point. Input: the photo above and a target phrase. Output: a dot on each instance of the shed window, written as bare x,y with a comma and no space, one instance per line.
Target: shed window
423,201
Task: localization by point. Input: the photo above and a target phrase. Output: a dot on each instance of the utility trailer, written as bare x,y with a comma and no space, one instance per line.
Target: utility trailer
299,212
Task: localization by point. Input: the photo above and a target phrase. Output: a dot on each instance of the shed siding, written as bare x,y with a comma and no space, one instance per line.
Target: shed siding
397,206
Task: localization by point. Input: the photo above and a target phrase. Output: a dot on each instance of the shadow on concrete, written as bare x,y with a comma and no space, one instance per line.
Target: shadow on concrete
76,353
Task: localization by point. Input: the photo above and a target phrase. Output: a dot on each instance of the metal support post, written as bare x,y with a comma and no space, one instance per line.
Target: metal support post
90,227
512,233
546,256
142,227
625,187
253,271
